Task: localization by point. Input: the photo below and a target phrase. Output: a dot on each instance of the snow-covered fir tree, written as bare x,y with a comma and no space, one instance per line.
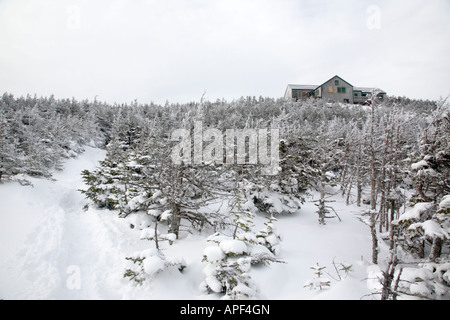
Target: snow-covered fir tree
230,260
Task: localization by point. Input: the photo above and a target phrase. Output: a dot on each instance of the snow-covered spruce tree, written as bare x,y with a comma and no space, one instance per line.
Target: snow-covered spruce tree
264,245
282,192
269,237
9,155
118,184
127,127
183,190
26,125
266,195
319,282
230,260
106,183
414,241
299,171
226,272
144,265
242,222
298,174
426,230
441,239
428,281
145,195
430,171
154,234
424,280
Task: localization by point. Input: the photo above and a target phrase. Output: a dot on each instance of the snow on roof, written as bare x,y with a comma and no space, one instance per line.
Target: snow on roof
367,89
313,87
303,86
336,76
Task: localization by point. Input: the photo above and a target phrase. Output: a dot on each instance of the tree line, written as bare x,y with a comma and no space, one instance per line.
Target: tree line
391,158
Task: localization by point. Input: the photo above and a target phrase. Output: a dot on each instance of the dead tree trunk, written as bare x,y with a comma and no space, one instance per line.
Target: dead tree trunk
358,178
421,249
373,232
343,181
321,212
372,162
383,186
175,220
156,235
436,249
347,200
388,275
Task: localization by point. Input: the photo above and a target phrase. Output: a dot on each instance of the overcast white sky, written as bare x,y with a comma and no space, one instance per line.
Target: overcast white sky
158,50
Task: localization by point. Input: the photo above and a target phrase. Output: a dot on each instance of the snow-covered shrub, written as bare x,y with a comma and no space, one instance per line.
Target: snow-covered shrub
422,225
341,271
227,269
428,281
442,215
150,234
430,170
409,225
242,217
145,264
272,202
230,259
106,187
140,220
319,282
271,198
269,237
149,262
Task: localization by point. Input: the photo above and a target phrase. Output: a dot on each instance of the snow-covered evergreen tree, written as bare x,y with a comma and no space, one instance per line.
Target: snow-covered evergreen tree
319,282
106,184
431,170
226,272
230,260
145,265
269,237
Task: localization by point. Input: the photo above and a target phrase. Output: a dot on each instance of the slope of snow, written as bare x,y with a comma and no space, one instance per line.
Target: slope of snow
306,243
50,248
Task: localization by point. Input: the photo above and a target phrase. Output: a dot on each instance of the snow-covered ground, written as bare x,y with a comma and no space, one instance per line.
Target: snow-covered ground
50,248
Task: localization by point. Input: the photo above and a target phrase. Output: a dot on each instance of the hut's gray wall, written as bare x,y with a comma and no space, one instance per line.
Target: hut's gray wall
335,95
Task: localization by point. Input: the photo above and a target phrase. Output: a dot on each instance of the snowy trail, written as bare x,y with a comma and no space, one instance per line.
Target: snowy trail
58,250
